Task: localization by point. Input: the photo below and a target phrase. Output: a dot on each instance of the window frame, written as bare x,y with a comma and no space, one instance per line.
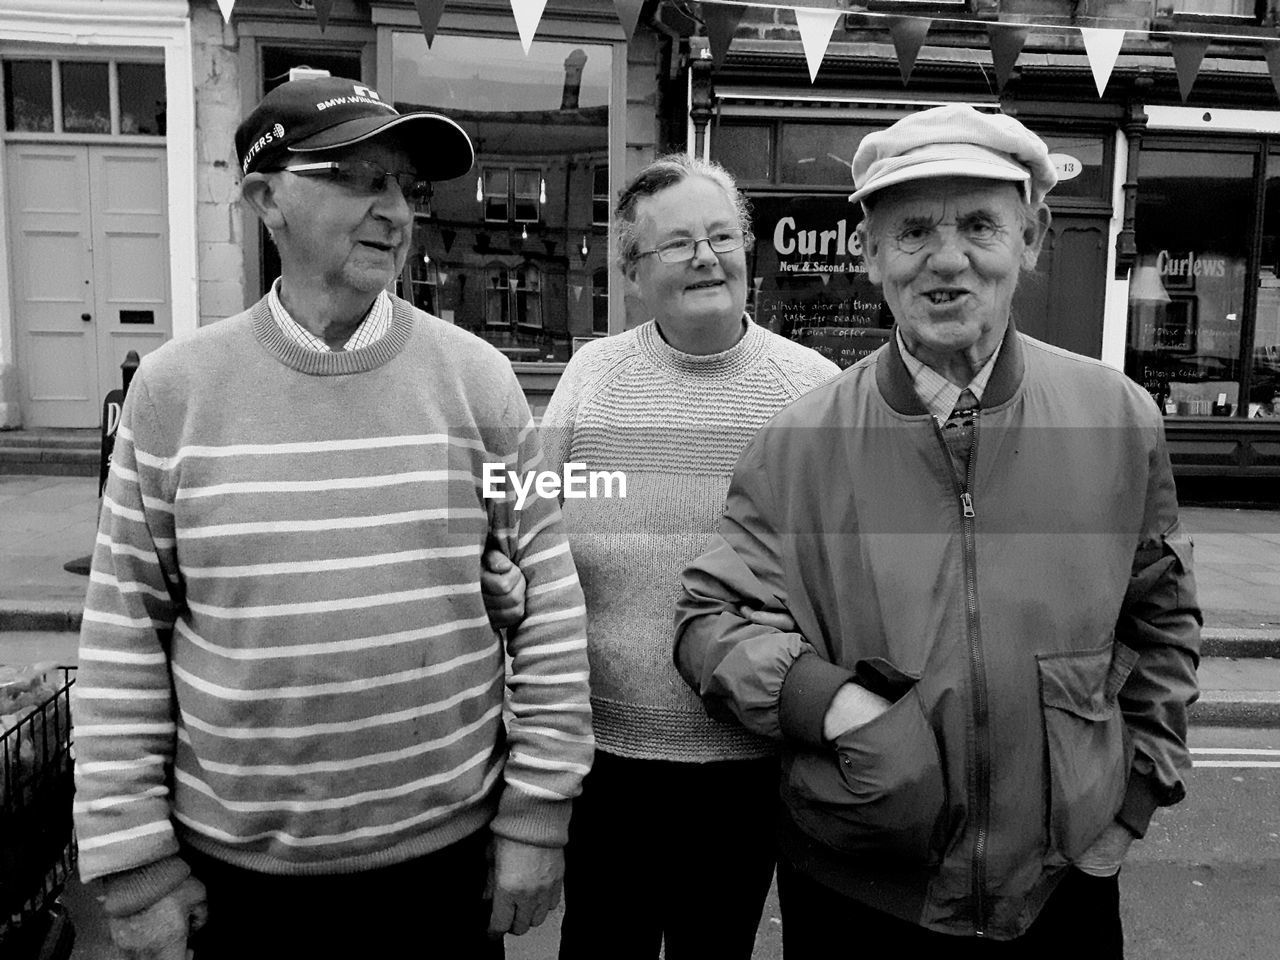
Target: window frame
1259,149
58,104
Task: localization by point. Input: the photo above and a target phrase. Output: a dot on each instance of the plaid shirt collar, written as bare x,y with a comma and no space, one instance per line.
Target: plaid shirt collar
935,391
372,328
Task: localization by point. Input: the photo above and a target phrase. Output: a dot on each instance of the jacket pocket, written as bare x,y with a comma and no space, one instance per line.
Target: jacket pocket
1086,743
879,791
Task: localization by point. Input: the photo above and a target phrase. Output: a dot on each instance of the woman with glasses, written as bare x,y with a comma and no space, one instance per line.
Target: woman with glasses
672,837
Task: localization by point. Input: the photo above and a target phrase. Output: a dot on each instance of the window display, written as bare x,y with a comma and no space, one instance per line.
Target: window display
1187,289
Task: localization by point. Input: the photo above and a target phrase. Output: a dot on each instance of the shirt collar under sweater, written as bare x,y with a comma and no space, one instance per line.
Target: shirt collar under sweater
372,327
725,365
338,362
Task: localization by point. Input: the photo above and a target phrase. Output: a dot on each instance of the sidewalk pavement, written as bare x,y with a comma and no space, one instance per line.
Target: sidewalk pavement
47,521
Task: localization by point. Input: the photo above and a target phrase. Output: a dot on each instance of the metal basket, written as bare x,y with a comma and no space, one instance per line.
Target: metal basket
37,844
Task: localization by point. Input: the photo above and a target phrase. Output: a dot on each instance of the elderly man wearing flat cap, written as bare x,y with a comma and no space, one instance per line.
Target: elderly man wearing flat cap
984,695
290,693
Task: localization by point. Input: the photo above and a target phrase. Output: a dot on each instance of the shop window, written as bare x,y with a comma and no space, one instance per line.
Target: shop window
1264,377
600,200
74,96
819,153
1187,289
517,225
745,150
810,281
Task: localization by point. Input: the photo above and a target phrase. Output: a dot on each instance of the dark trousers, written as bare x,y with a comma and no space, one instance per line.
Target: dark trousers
1081,919
681,852
431,908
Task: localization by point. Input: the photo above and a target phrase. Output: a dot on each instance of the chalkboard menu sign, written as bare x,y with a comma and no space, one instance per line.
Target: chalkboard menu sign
810,283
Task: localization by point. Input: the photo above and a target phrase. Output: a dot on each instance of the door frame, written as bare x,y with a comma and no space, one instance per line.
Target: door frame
78,29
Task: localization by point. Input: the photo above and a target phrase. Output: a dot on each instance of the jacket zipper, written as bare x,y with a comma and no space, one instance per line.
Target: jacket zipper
981,757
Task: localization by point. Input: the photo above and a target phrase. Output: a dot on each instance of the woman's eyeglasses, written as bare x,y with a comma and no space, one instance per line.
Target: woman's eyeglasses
684,248
365,178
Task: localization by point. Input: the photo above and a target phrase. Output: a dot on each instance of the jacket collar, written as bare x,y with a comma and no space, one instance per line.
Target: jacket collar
894,380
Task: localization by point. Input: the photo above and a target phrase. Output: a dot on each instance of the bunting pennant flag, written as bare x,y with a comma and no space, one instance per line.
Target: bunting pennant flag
815,33
908,37
1101,46
720,22
576,290
1188,51
628,15
1272,53
225,6
528,15
1006,44
323,7
429,15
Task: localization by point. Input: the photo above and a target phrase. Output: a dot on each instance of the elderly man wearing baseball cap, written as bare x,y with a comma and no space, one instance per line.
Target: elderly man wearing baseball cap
298,733
984,694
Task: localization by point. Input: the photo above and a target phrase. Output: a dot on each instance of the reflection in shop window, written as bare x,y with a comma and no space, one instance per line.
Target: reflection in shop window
1187,289
496,299
529,193
497,194
529,226
528,293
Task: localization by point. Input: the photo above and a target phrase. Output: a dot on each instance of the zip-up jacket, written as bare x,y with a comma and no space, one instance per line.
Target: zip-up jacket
1031,615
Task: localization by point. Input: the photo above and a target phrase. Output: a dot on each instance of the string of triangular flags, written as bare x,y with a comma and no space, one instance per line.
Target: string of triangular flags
817,24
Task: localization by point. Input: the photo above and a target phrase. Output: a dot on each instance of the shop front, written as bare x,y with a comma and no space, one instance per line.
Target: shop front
1204,298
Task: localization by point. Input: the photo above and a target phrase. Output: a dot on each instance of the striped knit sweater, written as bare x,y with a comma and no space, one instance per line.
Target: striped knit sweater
674,423
285,659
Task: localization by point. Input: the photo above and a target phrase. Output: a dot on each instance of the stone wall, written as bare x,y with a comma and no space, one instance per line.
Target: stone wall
220,229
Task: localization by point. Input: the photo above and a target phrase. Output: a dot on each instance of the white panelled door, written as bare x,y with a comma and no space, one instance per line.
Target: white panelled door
90,251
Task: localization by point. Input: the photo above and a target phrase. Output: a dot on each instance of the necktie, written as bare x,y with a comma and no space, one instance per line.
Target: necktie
958,430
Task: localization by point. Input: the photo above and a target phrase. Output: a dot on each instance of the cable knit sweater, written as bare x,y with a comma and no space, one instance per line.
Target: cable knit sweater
674,424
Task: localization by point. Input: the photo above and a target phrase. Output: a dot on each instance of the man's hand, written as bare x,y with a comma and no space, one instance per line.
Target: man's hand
851,707
526,883
160,932
502,585
1107,853
778,619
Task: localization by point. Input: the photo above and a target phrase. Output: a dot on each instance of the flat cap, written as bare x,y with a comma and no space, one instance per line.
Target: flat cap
953,141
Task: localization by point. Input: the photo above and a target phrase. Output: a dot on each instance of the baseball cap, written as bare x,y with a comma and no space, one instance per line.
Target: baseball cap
325,113
953,141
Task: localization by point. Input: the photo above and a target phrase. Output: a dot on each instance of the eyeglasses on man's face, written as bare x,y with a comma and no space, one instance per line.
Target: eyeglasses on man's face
366,178
685,248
